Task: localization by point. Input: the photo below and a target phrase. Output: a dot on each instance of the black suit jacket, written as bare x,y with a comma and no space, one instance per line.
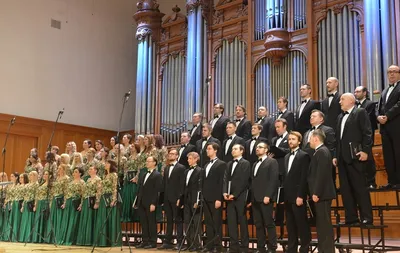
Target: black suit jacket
370,107
219,129
174,185
319,176
295,180
266,181
212,184
356,130
203,151
391,109
240,180
333,111
330,140
268,124
289,117
149,192
193,187
252,157
183,158
228,156
196,135
244,129
284,146
303,122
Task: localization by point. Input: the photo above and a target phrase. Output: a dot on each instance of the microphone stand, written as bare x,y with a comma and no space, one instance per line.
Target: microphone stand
125,100
4,151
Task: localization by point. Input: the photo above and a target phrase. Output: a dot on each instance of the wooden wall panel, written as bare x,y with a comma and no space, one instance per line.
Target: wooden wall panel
28,133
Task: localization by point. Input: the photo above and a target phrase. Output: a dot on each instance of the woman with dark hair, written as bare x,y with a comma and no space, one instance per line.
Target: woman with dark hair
87,144
3,194
88,208
113,141
72,202
108,233
34,164
58,192
162,151
15,218
10,195
41,204
98,145
126,141
50,166
129,190
27,216
101,165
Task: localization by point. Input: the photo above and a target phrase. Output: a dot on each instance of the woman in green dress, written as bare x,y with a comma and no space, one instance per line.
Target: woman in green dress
86,145
40,209
113,152
15,216
90,162
50,166
72,201
98,145
77,162
129,190
65,159
11,189
70,149
101,166
58,191
88,208
3,194
108,231
34,164
28,215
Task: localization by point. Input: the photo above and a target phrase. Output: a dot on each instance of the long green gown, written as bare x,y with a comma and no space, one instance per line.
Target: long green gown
70,223
27,217
129,192
15,216
58,191
41,215
85,235
6,224
108,222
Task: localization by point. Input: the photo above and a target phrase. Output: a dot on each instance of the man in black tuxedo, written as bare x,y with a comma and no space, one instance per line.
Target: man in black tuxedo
284,113
195,132
264,187
186,148
190,203
304,110
268,123
281,142
212,183
250,146
173,186
230,141
243,125
236,187
330,105
201,145
150,186
361,94
353,131
218,123
388,116
297,163
322,191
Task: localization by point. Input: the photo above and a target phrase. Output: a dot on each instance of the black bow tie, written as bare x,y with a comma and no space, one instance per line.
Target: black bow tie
304,101
192,167
183,146
280,113
391,85
280,136
260,160
313,128
215,116
148,172
293,153
254,138
346,112
230,138
358,103
258,119
237,120
205,139
171,165
236,161
213,160
331,95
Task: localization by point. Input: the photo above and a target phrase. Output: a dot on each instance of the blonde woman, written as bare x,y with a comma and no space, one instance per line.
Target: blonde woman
90,161
77,161
70,149
65,159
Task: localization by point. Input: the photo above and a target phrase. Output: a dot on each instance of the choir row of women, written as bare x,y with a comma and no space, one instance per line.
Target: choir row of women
82,193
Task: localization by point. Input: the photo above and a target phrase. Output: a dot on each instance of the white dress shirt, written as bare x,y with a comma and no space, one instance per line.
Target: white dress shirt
171,167
331,98
147,176
234,164
291,158
210,164
280,114
278,142
204,142
253,142
302,106
344,119
189,174
228,143
215,120
258,164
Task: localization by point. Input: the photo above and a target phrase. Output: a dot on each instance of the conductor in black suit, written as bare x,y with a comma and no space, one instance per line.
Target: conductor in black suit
230,141
212,182
322,191
173,186
304,110
201,145
218,123
250,145
284,113
264,187
353,128
185,148
236,187
362,95
297,163
195,132
330,105
388,116
150,186
268,123
190,202
243,125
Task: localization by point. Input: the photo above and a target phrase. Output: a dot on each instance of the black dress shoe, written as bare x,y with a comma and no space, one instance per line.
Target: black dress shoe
367,222
141,245
165,246
150,246
386,187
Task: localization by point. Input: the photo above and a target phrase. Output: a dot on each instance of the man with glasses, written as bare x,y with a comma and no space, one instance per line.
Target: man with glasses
389,119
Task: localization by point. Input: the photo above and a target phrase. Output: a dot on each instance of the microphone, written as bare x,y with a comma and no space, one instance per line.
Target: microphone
13,120
61,112
208,80
127,95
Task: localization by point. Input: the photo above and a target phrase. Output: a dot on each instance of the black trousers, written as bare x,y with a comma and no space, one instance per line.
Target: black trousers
297,226
236,213
353,187
324,227
149,225
193,235
391,154
174,216
263,220
213,221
